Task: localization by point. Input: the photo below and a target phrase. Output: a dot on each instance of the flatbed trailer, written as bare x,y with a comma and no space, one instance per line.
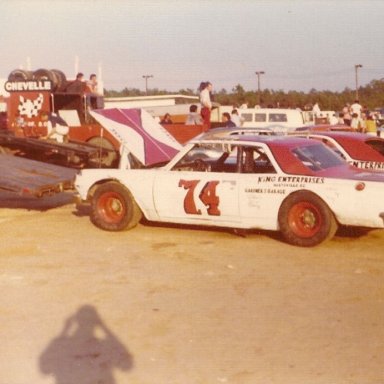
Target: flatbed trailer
30,177
73,153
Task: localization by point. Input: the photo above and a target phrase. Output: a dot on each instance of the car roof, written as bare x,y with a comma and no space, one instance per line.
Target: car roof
273,140
281,147
232,131
356,144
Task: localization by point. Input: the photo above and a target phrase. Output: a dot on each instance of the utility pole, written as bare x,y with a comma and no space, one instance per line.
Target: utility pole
146,77
258,73
357,66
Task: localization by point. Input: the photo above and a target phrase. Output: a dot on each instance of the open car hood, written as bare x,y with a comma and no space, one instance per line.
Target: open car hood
140,133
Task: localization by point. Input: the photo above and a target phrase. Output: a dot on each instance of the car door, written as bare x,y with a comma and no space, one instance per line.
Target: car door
199,197
259,194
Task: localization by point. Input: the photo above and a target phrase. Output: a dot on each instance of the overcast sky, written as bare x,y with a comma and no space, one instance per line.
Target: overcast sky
300,45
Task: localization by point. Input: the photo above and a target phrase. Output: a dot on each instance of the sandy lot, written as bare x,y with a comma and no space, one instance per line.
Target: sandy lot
164,305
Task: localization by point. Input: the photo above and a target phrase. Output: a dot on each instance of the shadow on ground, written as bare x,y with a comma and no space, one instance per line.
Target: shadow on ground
85,351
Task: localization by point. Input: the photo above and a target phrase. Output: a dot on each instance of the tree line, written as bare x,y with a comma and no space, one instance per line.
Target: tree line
371,96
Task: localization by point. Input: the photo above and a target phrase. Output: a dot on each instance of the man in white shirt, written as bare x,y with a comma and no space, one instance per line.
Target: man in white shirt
193,117
356,108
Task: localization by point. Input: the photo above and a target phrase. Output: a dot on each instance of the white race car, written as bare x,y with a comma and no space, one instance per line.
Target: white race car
293,185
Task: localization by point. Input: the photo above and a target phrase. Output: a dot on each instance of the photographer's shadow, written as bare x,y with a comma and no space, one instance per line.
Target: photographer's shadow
86,351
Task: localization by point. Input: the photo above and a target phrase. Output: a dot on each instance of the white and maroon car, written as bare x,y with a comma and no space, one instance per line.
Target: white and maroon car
361,150
294,185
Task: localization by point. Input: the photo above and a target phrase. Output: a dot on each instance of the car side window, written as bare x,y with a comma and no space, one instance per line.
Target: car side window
247,117
255,160
377,145
260,117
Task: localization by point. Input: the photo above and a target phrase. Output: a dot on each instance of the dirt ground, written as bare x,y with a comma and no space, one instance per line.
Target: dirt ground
168,305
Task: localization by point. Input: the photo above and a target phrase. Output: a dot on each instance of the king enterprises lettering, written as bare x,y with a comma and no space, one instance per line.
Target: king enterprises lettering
291,179
374,165
300,179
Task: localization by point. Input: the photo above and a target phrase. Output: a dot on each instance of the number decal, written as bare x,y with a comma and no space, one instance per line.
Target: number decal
210,199
189,202
207,195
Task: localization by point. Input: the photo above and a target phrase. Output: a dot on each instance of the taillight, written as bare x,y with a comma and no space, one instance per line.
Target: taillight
360,186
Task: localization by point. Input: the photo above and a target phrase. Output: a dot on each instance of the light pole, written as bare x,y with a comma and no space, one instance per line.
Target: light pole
146,77
258,73
357,66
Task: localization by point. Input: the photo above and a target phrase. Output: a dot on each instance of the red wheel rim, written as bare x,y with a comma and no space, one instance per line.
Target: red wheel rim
111,207
305,219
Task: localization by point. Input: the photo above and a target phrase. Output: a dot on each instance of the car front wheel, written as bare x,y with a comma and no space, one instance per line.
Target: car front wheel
114,208
305,220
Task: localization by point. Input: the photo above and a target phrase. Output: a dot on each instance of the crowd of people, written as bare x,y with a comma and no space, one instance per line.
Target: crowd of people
354,115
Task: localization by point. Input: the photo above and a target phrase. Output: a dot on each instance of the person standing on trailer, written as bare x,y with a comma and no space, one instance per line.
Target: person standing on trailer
206,103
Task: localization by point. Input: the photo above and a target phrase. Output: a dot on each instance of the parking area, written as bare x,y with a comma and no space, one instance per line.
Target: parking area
169,305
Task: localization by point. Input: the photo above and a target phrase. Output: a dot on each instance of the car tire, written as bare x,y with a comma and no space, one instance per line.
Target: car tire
20,75
45,74
113,208
305,220
60,78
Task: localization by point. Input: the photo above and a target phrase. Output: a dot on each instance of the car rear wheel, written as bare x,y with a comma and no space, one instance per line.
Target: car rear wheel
305,220
114,208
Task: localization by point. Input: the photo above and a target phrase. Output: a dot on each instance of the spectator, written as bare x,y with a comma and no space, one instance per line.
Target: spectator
92,86
78,85
206,103
356,108
316,110
94,100
236,118
193,118
370,125
341,118
226,119
166,119
357,123
332,118
347,114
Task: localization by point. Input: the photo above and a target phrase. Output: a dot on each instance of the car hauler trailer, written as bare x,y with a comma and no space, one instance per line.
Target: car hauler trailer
35,94
33,178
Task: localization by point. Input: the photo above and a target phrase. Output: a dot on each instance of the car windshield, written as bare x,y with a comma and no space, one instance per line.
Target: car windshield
205,152
317,157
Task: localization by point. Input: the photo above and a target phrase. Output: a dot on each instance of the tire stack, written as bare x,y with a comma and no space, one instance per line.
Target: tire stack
55,76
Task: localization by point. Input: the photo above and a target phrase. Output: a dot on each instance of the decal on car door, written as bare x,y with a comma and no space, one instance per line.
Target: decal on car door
207,196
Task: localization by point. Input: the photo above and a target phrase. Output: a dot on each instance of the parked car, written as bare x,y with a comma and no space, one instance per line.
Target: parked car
289,184
286,119
358,149
324,128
